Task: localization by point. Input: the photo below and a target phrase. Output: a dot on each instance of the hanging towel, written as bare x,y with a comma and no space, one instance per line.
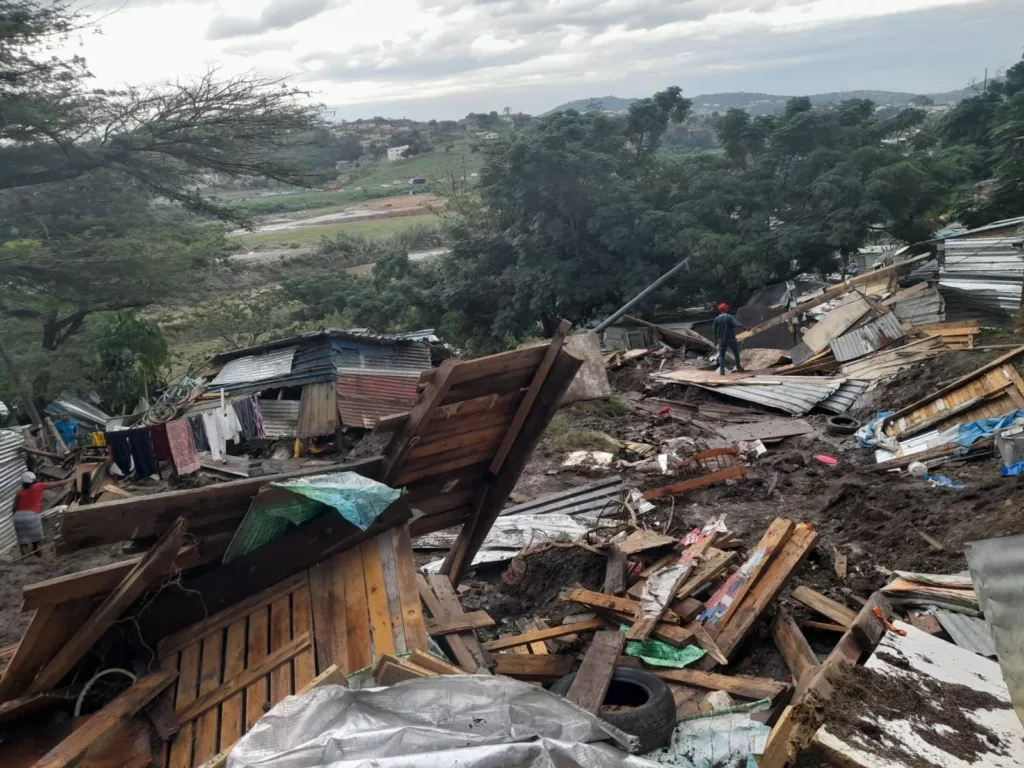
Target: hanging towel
183,450
212,426
161,448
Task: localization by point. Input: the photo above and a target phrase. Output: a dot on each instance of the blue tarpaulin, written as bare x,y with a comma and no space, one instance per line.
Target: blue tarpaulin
968,434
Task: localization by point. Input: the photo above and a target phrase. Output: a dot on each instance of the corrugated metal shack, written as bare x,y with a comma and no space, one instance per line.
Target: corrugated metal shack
980,272
12,464
312,383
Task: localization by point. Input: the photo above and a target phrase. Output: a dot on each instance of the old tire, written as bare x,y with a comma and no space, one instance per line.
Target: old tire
649,711
841,425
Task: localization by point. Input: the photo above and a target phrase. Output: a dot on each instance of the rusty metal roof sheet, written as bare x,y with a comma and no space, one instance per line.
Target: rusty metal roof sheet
12,464
365,397
924,308
969,632
876,334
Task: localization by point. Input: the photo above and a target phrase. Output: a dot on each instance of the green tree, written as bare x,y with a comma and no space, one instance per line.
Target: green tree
133,355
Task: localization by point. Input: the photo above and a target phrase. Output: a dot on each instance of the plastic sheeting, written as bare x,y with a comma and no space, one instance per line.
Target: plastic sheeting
726,738
470,721
358,499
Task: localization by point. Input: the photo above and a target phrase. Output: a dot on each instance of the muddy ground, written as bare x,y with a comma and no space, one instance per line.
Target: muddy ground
881,523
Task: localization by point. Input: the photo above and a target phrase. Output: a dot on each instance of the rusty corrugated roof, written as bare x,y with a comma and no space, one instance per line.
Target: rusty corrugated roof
365,397
877,334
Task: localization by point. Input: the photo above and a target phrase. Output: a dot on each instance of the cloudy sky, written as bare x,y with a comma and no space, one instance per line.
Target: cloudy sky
444,58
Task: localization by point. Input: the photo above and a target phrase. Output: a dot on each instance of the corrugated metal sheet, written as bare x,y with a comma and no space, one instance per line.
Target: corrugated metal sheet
592,497
1017,221
969,632
924,308
350,358
791,397
280,417
980,278
843,398
365,397
876,334
917,444
12,464
891,361
86,414
993,302
251,368
362,335
318,410
513,532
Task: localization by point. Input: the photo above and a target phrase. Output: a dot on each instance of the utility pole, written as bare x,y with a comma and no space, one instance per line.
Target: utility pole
646,291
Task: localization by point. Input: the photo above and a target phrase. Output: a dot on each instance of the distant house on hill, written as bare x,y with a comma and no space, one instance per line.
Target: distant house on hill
397,153
491,136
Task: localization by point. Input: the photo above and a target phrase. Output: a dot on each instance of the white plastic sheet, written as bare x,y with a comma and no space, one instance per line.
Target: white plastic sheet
470,721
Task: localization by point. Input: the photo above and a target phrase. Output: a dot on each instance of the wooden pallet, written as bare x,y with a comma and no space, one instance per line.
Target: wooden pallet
235,665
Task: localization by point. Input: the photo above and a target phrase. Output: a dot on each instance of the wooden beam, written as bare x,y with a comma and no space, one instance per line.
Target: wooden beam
464,645
594,676
156,563
823,626
101,724
609,602
404,438
146,517
512,641
755,688
390,670
641,541
493,494
672,634
793,646
545,669
826,606
212,698
531,395
461,623
434,664
615,571
697,482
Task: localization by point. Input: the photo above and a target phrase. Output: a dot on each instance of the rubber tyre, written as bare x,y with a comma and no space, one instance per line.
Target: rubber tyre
841,425
652,720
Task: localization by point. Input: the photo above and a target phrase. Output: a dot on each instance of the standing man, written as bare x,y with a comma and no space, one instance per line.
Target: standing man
68,429
724,331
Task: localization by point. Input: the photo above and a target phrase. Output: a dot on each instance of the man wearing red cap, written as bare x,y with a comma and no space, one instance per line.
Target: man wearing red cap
724,332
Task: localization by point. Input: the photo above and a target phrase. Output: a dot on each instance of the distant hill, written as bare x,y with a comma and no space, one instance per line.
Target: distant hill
771,103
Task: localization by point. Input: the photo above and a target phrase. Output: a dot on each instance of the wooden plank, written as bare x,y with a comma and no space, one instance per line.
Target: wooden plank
275,661
736,587
180,640
377,600
412,611
231,723
641,541
146,517
466,621
389,569
793,646
595,673
609,602
357,615
404,438
327,597
615,571
449,603
51,627
511,641
459,649
257,694
188,689
531,394
154,565
206,732
304,664
764,593
755,688
826,606
824,626
68,752
698,482
389,671
534,668
280,637
434,664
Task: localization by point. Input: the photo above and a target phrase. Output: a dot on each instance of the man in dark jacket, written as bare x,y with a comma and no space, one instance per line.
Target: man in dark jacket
724,332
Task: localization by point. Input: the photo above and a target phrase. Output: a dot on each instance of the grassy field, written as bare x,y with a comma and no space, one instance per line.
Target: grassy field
431,164
312,235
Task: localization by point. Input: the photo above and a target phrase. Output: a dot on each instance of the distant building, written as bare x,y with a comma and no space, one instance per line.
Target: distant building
397,153
418,180
491,136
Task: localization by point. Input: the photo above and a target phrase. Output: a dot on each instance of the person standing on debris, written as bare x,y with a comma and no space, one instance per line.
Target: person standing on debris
724,331
28,512
68,429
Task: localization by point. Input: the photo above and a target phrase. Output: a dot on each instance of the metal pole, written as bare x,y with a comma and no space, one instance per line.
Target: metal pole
643,294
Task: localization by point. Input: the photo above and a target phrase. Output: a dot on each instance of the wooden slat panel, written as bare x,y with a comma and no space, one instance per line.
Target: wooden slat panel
412,610
188,688
432,445
357,617
302,624
210,677
377,601
280,636
386,550
327,597
257,694
234,663
457,644
51,627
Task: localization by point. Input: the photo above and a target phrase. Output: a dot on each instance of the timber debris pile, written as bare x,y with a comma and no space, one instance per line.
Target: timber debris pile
614,556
